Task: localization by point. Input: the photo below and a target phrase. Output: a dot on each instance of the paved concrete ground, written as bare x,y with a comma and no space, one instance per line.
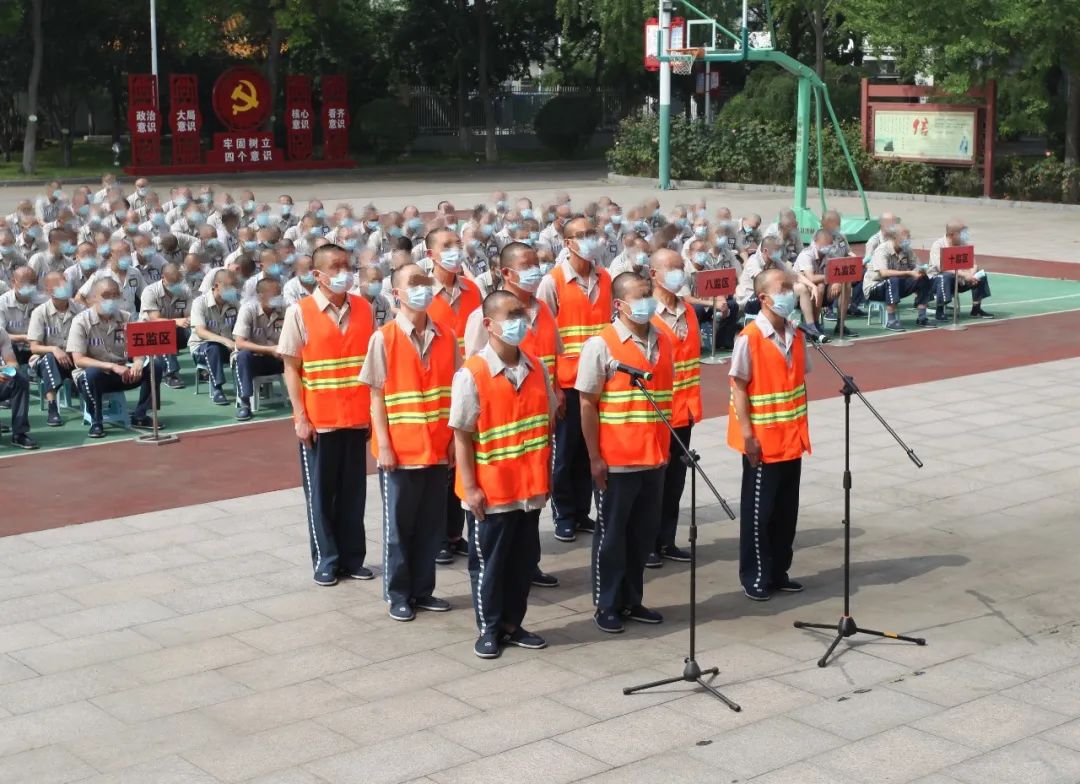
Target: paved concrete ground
191,645
1030,233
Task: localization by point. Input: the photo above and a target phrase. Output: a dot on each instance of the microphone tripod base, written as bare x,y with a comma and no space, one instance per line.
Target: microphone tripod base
848,628
692,673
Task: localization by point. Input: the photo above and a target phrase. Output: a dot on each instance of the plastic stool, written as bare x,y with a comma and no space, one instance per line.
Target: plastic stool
872,306
63,395
115,410
259,382
200,368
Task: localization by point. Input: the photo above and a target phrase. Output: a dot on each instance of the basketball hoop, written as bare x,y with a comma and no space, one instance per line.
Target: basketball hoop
682,60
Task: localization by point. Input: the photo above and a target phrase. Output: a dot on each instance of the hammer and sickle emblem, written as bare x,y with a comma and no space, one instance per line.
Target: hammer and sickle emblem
246,96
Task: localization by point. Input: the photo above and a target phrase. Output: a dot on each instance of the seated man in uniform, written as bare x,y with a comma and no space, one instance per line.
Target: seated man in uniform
98,344
812,266
258,327
370,286
974,280
302,284
893,274
50,323
15,308
787,229
15,390
170,298
213,315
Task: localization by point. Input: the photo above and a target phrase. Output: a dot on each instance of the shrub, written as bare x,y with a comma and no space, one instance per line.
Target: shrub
1044,179
964,182
386,126
634,150
566,123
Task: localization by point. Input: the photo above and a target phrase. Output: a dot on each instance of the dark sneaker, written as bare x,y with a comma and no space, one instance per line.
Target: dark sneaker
654,561
325,579
401,612
894,325
588,525
444,556
643,614
460,547
431,604
523,639
54,419
144,423
847,332
939,314
97,430
757,594
564,531
788,586
486,646
24,441
829,314
674,553
856,311
544,580
978,312
924,322
243,413
219,398
608,621
173,381
358,573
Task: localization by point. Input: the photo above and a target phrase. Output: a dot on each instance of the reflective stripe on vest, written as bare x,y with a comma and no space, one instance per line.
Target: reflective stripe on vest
330,363
579,319
540,341
686,406
442,312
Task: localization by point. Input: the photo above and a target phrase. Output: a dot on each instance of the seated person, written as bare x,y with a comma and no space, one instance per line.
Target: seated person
86,264
15,391
634,257
98,345
830,220
170,298
258,327
213,316
787,229
270,266
886,220
812,265
893,274
700,260
50,324
748,236
15,308
771,256
302,283
369,285
974,280
121,270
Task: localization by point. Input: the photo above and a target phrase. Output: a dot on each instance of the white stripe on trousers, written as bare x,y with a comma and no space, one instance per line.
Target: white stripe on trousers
599,546
480,578
310,509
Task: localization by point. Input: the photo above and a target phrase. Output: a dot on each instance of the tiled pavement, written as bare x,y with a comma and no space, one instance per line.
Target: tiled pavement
191,645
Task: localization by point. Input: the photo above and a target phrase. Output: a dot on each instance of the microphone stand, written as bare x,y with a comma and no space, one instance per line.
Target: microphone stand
692,672
847,626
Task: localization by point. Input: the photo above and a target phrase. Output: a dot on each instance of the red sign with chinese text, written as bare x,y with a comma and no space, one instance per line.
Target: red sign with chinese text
844,269
150,338
299,118
245,149
185,118
335,117
715,283
242,99
960,257
144,120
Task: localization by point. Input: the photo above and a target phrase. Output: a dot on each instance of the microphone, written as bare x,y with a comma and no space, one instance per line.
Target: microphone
633,372
813,337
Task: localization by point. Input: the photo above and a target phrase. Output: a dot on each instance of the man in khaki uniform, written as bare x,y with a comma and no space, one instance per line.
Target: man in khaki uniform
15,389
50,324
257,330
170,298
98,345
213,316
15,307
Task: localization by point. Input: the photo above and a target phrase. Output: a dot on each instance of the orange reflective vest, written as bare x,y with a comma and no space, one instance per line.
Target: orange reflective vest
578,319
442,312
777,400
631,432
686,406
540,340
330,366
417,398
512,438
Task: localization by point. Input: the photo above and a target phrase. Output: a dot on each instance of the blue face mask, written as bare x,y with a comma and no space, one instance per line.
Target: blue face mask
700,231
109,307
35,232
314,231
776,256
275,270
528,214
119,214
529,280
372,225
415,224
88,265
783,304
62,292
500,205
546,267
67,248
905,244
289,260
395,232
249,206
450,259
286,209
534,236
158,219
176,289
586,248
307,278
641,259
512,227
965,237
320,214
277,302
373,288
181,201
103,250
123,263
250,244
84,210
25,292
616,219
230,294
341,282
673,280
701,258
351,244
196,218
642,310
512,331
419,297
262,219
486,229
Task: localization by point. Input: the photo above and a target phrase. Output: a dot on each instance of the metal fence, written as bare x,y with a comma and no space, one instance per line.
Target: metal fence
436,114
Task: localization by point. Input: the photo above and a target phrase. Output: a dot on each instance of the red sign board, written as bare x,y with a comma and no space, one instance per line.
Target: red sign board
960,257
144,120
676,38
715,283
150,338
242,99
844,269
245,150
299,117
335,117
185,118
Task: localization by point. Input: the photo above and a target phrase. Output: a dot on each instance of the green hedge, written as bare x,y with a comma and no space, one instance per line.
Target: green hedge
764,153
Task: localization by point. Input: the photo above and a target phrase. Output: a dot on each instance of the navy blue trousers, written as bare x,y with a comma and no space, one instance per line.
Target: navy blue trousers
945,283
571,477
892,290
768,515
249,365
96,382
334,475
502,557
414,523
49,371
16,390
626,530
216,358
172,364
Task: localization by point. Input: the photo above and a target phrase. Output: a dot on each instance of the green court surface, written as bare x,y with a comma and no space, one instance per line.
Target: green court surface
1014,296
